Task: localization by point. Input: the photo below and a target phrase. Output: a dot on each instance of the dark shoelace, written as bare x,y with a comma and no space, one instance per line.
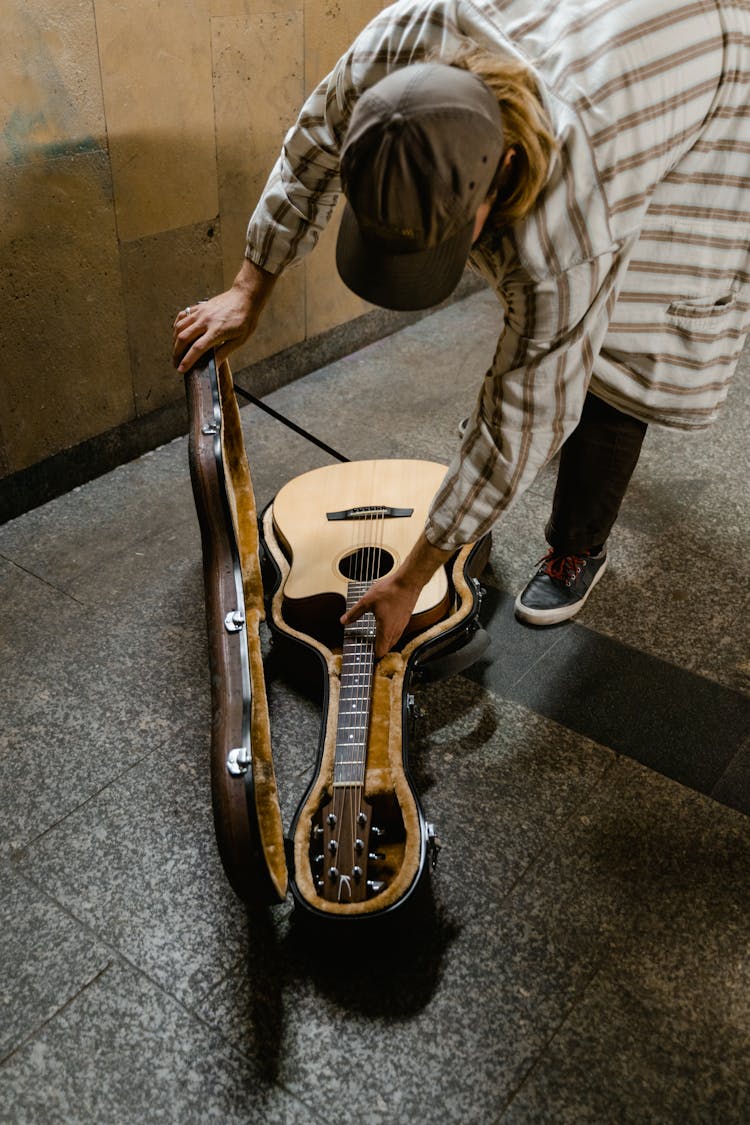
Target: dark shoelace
563,568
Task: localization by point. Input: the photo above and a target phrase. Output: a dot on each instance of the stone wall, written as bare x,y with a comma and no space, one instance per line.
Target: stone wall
136,137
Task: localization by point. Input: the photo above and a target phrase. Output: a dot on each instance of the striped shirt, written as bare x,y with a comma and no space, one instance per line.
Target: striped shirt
631,276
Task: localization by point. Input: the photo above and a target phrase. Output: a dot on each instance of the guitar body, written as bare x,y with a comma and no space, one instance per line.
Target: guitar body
360,840
325,553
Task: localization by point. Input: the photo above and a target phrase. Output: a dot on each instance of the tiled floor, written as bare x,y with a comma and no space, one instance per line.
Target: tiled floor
583,953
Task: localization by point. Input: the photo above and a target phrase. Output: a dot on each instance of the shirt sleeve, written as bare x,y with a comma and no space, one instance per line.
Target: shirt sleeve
531,398
304,185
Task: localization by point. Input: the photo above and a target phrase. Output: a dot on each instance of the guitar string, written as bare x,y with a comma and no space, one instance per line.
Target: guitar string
375,563
365,568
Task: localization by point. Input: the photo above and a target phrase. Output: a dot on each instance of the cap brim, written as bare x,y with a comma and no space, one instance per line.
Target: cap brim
415,280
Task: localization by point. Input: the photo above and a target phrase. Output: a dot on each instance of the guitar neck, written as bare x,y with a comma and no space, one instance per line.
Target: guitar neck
357,667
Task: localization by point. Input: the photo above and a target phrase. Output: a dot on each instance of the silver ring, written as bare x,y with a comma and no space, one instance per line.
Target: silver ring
187,311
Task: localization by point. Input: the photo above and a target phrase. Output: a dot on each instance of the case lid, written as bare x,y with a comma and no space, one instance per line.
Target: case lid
247,815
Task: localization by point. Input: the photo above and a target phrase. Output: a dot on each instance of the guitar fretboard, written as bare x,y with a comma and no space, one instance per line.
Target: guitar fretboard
357,666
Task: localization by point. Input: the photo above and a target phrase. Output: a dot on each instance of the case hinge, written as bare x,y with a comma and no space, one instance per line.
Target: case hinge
234,621
238,761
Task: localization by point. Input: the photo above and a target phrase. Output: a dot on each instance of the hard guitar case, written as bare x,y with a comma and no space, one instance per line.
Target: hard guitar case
259,862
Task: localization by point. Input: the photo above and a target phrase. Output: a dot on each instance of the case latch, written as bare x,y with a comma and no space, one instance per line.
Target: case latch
480,592
433,845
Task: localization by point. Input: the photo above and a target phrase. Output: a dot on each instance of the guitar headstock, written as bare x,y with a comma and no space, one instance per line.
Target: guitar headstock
343,848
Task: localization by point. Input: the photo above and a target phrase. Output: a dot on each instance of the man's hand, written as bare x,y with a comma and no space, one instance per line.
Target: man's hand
392,599
224,322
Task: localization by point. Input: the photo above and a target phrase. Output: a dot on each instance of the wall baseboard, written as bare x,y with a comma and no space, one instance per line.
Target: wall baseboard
27,489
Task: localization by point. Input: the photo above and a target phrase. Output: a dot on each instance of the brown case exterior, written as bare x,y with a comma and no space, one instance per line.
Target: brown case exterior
245,799
247,817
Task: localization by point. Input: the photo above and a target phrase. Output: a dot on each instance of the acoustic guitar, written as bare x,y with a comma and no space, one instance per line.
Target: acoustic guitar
341,528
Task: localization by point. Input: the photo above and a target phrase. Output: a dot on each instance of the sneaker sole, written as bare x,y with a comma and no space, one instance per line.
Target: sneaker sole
555,616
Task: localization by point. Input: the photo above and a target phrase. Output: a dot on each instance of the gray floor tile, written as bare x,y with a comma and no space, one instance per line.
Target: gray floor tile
32,611
663,1030
733,787
157,581
99,521
448,1053
139,865
685,726
84,705
47,958
498,782
122,1053
661,600
622,1058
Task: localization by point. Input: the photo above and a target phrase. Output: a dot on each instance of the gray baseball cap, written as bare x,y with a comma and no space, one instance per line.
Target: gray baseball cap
418,159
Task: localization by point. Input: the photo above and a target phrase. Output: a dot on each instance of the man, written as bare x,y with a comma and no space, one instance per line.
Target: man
592,161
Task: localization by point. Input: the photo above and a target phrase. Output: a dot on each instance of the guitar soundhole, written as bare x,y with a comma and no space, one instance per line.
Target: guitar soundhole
366,564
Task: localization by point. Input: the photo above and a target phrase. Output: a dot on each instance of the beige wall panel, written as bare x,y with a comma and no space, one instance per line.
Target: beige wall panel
239,8
161,275
66,370
257,95
50,95
329,302
330,28
156,76
283,322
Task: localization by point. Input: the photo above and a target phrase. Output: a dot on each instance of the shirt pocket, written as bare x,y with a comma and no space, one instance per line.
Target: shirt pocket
708,331
703,312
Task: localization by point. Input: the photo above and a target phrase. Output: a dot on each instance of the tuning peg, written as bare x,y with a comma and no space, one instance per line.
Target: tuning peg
375,856
375,886
378,833
318,860
318,831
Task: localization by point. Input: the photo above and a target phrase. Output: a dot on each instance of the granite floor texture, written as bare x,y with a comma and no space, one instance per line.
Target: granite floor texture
581,952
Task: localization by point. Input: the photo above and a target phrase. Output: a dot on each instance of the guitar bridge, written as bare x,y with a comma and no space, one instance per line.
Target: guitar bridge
371,512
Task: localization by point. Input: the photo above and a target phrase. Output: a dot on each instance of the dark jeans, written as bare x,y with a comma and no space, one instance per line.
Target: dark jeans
596,464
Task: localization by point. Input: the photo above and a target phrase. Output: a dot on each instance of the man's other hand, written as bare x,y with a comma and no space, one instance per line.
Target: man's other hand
224,322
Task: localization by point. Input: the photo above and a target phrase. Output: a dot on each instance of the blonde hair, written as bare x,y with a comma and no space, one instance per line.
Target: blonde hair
526,129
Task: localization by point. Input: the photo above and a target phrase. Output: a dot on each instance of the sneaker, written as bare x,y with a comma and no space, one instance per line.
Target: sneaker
560,587
462,427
